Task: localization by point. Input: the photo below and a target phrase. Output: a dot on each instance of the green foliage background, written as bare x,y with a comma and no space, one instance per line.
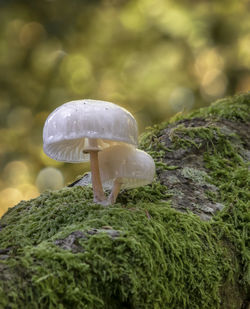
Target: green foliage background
155,58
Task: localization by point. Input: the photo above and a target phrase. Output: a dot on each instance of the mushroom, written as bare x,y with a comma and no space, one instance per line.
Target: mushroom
125,167
76,131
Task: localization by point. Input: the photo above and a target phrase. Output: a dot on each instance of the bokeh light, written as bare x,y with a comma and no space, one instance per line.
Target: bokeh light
214,84
16,172
9,197
181,99
155,58
31,33
49,178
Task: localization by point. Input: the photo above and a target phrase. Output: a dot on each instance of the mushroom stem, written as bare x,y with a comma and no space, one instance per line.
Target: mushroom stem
115,191
98,192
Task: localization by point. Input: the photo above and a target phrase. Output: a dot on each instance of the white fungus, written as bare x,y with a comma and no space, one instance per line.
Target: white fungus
76,131
76,127
125,167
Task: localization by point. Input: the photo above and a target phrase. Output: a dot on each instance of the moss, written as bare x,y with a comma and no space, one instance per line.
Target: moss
159,257
149,141
234,108
111,270
187,137
230,173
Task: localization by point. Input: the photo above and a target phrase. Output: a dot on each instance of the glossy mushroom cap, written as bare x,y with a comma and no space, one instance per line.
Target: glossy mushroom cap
132,167
79,126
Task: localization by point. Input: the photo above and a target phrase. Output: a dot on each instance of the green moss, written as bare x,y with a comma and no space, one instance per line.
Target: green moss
160,258
234,108
130,269
229,172
183,137
149,141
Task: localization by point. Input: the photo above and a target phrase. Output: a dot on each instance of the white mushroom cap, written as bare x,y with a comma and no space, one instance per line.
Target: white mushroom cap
79,126
132,167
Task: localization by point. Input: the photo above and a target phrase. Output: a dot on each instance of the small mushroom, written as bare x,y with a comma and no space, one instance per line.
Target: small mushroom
125,167
76,131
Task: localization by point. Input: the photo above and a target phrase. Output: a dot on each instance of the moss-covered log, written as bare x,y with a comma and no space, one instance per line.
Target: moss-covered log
182,242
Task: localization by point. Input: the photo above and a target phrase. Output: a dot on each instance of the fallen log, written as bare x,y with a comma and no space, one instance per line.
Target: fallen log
181,242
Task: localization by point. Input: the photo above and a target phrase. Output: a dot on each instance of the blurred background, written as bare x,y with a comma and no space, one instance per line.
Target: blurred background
154,57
